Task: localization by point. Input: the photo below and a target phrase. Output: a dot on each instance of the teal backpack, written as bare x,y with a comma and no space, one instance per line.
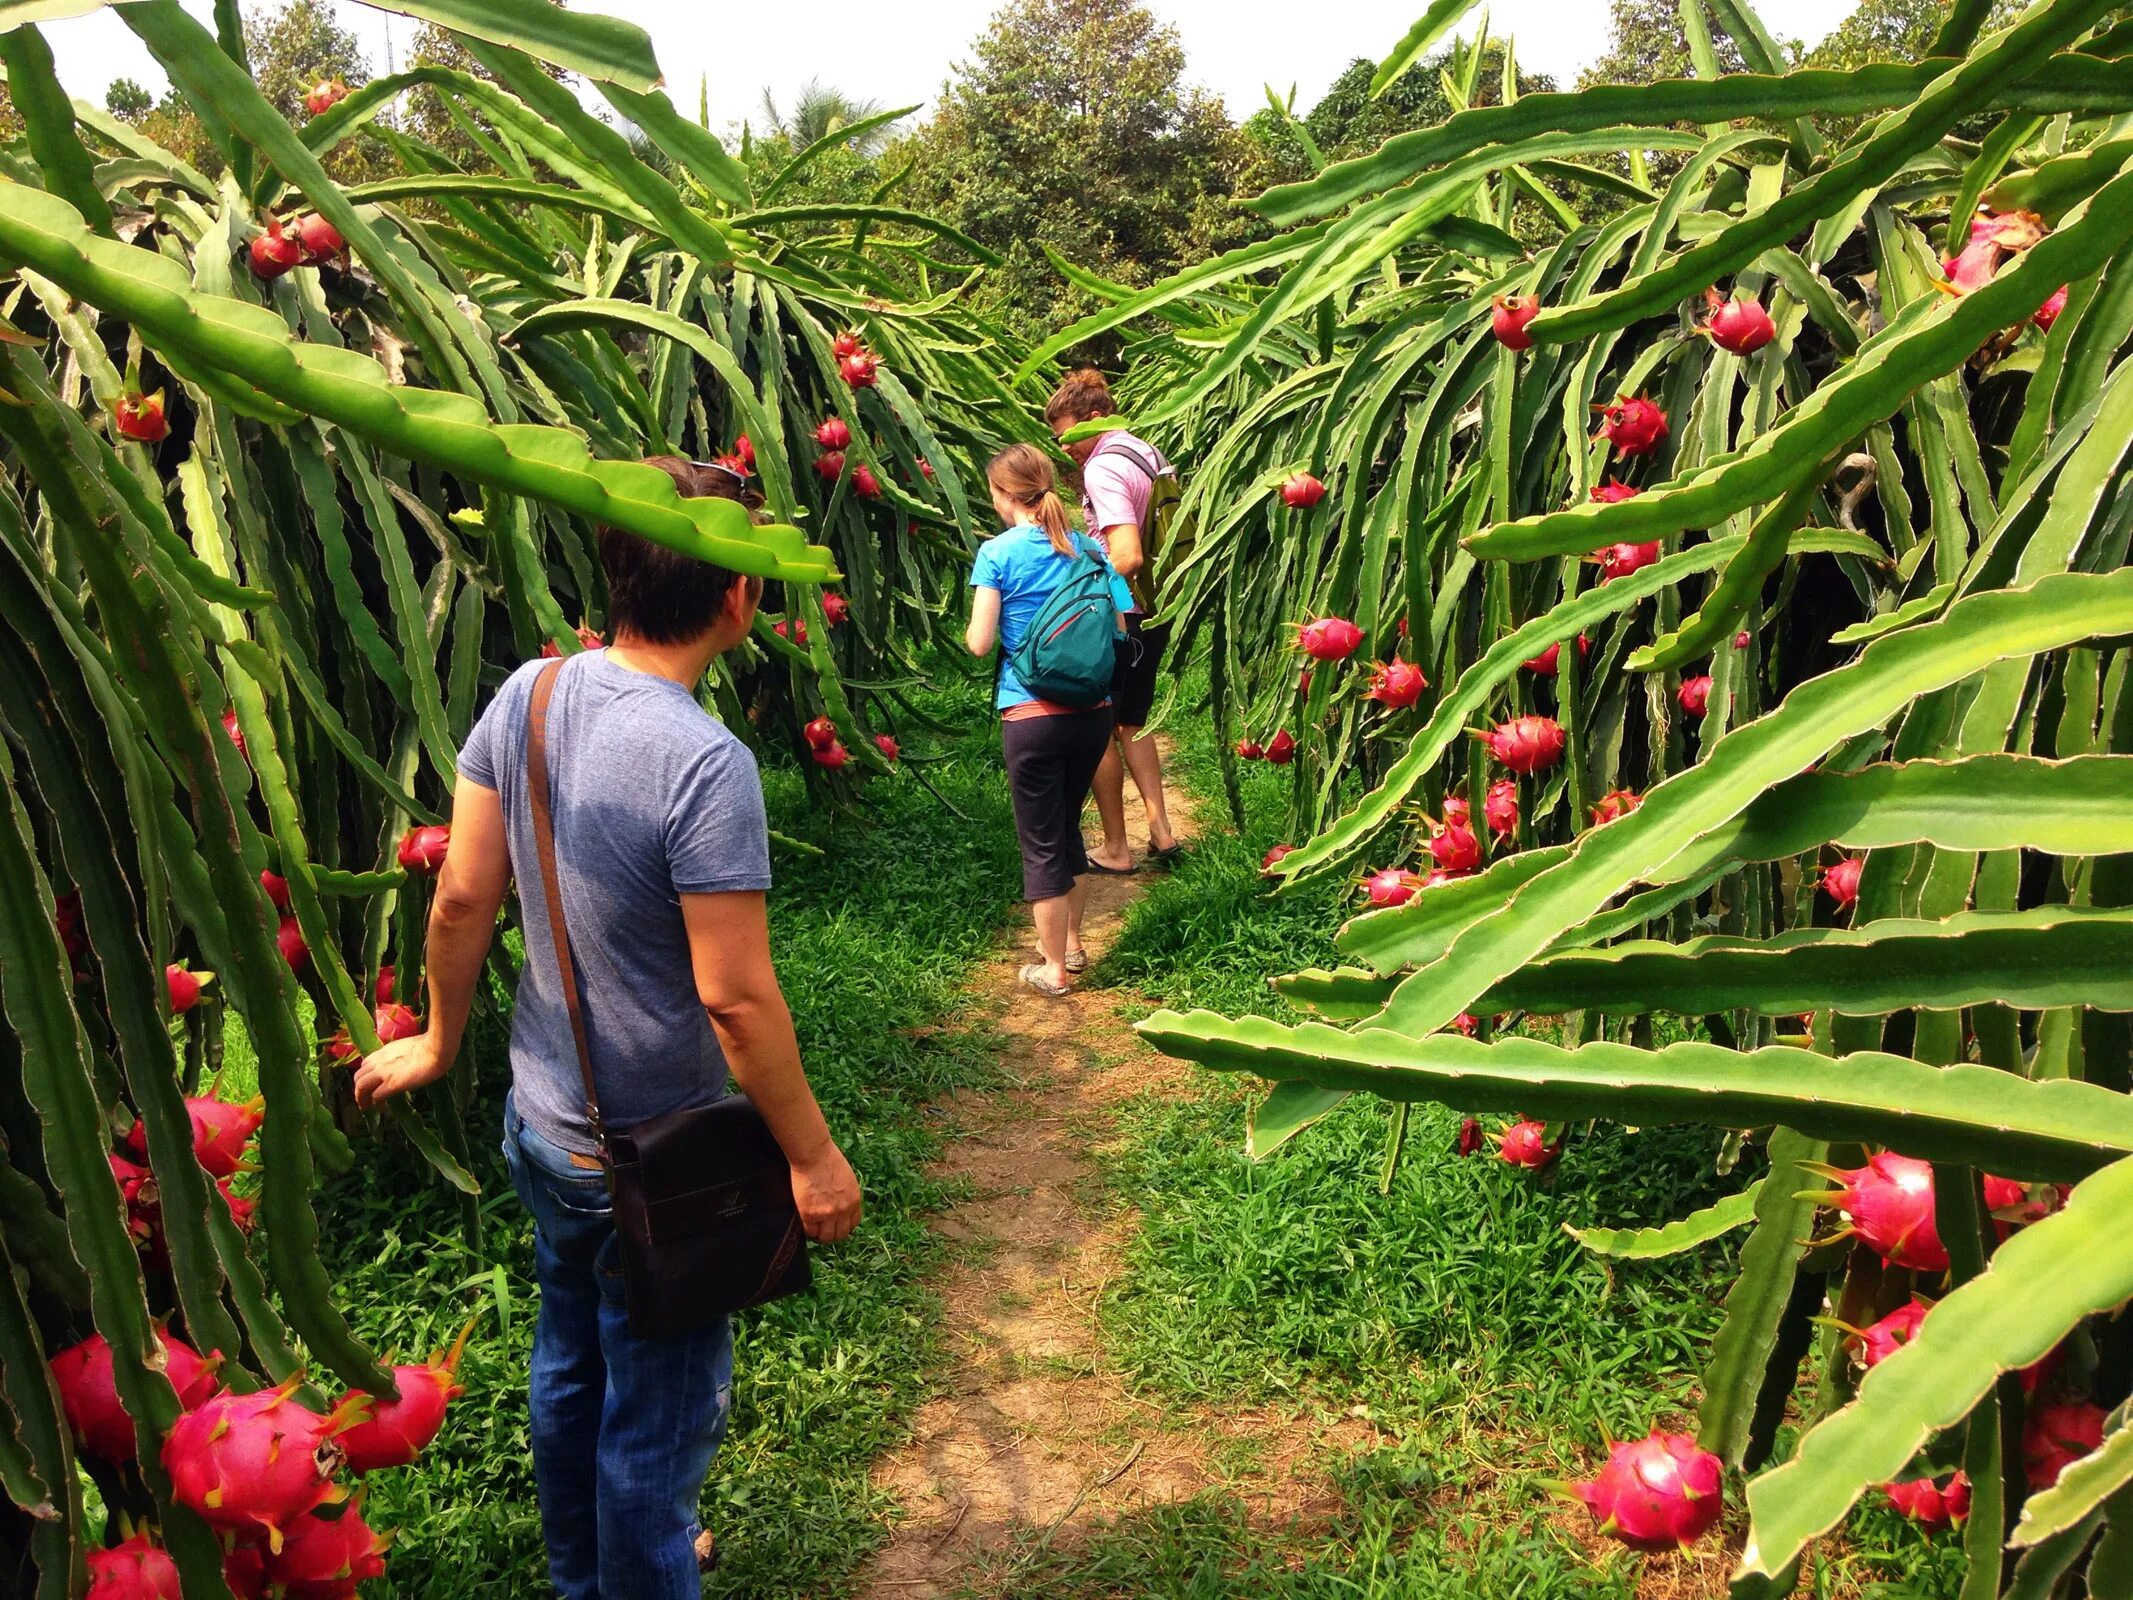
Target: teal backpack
1068,653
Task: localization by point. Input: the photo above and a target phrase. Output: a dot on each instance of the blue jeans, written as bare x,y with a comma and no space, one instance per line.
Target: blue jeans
623,1428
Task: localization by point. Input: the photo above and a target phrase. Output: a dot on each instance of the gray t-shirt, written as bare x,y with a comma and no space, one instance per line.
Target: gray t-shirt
653,799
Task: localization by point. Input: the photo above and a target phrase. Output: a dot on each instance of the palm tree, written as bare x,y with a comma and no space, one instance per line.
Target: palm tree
820,111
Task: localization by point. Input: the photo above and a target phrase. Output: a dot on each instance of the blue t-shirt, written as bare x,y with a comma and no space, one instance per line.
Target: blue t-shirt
652,799
1021,563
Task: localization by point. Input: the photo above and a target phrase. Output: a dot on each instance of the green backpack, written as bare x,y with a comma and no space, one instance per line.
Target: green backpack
1068,654
1168,536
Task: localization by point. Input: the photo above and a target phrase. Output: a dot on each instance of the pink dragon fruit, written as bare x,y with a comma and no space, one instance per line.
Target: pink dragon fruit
1396,685
393,1432
1842,879
254,1463
1300,491
834,433
1391,887
1454,848
1274,857
1620,560
221,1130
1527,744
1329,639
2056,1436
1615,803
1932,1506
138,1569
1281,749
1525,1144
1889,1206
2048,313
324,1558
1740,326
1508,316
1471,1138
1695,694
1634,426
88,1391
1549,661
1879,1340
1656,1493
1499,807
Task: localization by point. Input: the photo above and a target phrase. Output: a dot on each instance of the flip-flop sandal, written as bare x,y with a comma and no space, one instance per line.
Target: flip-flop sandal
1114,872
1166,856
1033,975
1076,961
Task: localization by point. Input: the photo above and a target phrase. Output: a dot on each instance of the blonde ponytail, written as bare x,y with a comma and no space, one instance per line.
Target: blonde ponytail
1023,474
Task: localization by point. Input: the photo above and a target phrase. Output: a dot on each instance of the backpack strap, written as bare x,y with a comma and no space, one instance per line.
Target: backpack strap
1119,447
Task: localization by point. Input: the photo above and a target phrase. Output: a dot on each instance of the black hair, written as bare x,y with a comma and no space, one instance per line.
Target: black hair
661,595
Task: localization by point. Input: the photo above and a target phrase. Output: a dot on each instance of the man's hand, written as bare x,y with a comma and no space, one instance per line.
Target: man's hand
827,1192
400,1066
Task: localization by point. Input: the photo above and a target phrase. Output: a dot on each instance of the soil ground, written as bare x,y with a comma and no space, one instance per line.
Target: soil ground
1033,1440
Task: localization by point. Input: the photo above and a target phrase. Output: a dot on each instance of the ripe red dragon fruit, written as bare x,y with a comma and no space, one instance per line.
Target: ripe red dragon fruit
925,467
1300,491
2048,313
1634,426
1396,685
795,630
324,95
393,1432
1993,239
1499,807
1391,887
184,988
1615,803
423,849
1303,683
1250,749
1620,560
865,484
820,733
1932,1506
887,745
833,433
2056,1436
1877,1341
1329,639
835,608
1471,1137
1508,316
1525,1144
1741,326
324,1558
2015,1204
1740,640
1695,694
254,1463
320,239
1274,857
1612,493
395,1022
1281,749
1457,810
88,1391
66,922
1527,744
1550,661
274,252
221,1130
1454,848
1467,1023
1889,1206
1656,1493
277,889
140,416
233,732
138,1569
241,1207
381,990
144,1214
829,466
733,464
832,755
859,369
845,344
244,1569
1842,879
744,450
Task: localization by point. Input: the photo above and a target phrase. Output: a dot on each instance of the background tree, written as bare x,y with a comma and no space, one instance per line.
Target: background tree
1892,30
127,100
1073,127
819,111
1646,42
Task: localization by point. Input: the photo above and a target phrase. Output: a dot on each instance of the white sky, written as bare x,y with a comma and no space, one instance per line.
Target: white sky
898,51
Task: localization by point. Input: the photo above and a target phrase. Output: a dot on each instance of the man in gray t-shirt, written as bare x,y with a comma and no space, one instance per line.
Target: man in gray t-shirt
663,857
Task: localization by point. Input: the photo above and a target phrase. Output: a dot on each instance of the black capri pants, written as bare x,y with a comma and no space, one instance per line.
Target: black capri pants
1140,657
1051,762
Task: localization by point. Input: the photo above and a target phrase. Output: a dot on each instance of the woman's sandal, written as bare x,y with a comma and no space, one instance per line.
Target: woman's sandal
1033,975
1113,872
1076,961
1168,853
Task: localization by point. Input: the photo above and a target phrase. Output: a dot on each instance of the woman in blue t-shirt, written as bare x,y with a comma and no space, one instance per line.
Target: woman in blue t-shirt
1052,750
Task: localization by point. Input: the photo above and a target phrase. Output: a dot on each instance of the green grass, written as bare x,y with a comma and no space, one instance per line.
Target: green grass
873,940
1492,1354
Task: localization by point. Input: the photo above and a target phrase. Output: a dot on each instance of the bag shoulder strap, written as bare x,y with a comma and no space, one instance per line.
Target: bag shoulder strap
537,801
1118,447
